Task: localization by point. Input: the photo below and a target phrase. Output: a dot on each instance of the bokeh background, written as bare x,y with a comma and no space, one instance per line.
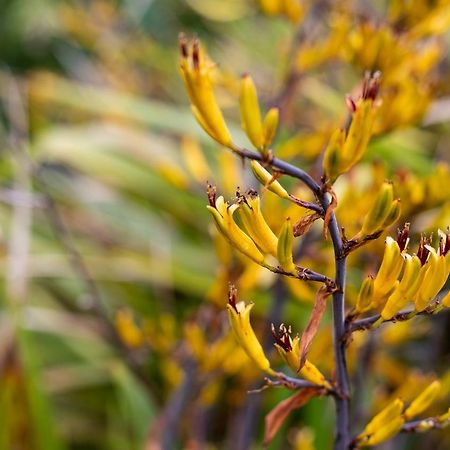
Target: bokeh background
112,327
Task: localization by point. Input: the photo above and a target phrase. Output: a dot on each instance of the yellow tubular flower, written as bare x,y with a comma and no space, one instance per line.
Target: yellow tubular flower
387,415
390,269
223,217
365,296
270,125
293,9
271,7
379,212
386,432
332,160
434,279
130,334
393,214
195,70
250,112
405,289
289,350
195,159
239,317
424,400
359,134
256,225
266,179
285,247
446,300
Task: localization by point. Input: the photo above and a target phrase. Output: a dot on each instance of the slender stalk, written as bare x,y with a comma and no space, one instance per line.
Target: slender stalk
367,322
342,437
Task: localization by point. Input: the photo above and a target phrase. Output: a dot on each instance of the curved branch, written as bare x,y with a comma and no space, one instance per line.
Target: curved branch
342,440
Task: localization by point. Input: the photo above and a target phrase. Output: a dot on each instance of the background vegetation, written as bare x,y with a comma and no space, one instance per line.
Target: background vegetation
112,313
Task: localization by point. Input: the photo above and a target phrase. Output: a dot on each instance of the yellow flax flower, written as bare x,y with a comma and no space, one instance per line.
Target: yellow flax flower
267,180
195,70
381,208
285,247
424,400
408,285
255,224
239,317
346,149
389,271
434,277
222,213
384,425
365,295
289,350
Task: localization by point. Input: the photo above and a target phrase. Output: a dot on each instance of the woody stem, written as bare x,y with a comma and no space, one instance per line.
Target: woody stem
342,437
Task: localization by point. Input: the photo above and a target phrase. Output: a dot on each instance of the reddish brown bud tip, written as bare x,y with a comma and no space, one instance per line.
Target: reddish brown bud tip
351,105
403,236
196,55
211,193
232,294
282,337
422,251
371,85
182,42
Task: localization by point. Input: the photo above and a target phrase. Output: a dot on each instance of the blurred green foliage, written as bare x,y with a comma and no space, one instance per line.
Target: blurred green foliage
92,115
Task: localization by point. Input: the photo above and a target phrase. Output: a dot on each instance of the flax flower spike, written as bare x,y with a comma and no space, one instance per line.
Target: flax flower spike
239,317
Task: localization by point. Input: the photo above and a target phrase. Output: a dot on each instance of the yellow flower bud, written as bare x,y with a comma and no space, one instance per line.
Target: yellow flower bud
393,214
130,334
359,134
386,432
195,159
270,125
332,160
256,225
365,296
390,269
223,217
285,247
293,9
378,213
239,317
435,276
266,179
250,112
424,400
195,70
271,7
404,290
387,415
289,350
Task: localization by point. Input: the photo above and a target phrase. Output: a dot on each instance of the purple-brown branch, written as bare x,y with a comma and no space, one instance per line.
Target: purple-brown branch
342,439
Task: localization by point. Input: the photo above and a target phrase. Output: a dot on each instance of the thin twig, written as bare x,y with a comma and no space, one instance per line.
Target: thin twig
366,323
418,426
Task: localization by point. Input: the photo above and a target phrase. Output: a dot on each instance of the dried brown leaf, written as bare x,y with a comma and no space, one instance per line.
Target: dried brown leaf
275,419
314,321
304,224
